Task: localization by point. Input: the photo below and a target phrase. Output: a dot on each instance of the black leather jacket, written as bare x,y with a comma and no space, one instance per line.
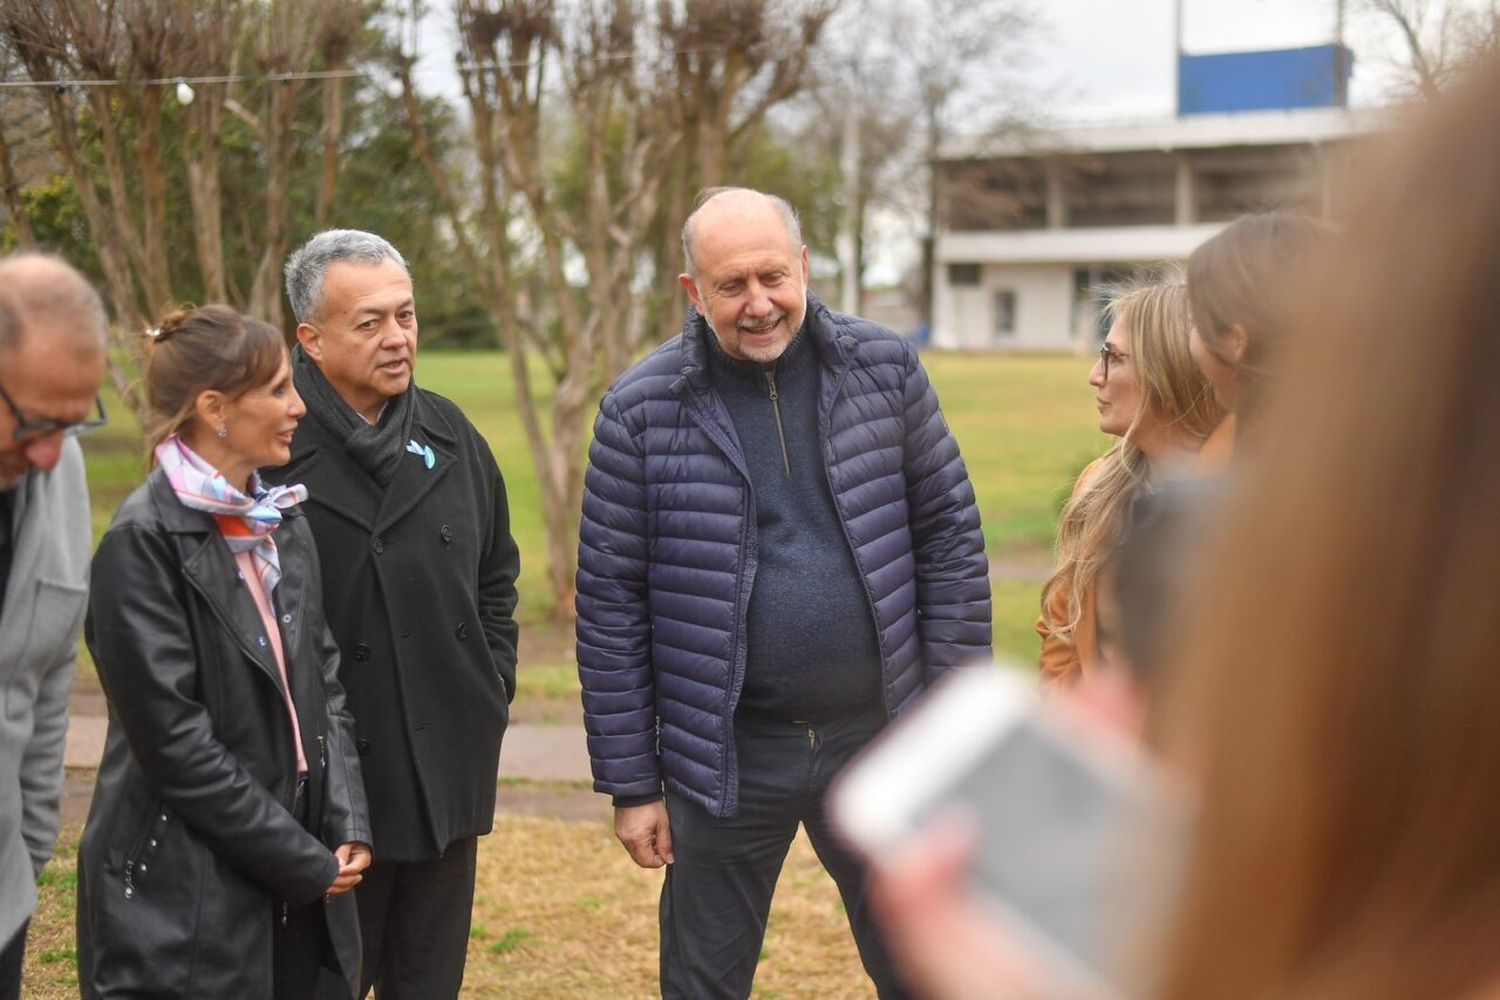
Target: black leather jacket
190,848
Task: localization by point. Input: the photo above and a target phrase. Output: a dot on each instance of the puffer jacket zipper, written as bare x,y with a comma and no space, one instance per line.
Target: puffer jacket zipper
786,461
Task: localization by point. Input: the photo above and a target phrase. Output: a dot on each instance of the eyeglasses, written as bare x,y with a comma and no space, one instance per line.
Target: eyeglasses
1108,354
32,428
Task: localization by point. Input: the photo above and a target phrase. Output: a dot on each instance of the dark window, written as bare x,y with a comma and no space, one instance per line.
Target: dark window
966,275
1005,314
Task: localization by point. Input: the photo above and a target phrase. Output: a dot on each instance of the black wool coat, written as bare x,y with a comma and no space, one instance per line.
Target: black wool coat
420,584
190,846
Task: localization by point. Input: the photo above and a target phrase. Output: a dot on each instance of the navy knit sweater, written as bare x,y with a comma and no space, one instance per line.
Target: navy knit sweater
812,652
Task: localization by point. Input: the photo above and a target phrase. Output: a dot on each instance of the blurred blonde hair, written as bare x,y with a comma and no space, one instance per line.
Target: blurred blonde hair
1337,690
1174,394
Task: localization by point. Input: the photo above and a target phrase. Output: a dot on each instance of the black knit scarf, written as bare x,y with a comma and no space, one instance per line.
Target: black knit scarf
377,449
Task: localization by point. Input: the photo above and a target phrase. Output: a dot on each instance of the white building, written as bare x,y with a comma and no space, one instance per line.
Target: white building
1034,227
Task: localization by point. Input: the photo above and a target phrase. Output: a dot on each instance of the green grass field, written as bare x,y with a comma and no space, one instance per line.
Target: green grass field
1025,424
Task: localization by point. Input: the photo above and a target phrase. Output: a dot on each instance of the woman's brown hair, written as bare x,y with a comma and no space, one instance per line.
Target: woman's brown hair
192,351
1337,689
1250,275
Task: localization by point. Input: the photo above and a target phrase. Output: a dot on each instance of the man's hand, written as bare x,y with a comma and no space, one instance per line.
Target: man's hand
646,833
353,859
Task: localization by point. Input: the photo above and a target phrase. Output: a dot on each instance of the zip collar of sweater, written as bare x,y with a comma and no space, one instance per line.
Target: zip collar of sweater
721,365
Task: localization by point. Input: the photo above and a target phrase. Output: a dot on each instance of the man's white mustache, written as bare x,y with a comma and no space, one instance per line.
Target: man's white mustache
761,326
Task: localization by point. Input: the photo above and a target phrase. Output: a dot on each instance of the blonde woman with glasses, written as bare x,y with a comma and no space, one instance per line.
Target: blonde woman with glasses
1152,397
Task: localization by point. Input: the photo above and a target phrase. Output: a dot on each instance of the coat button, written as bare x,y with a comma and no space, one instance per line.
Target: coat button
362,746
462,631
286,619
447,534
261,640
361,652
378,544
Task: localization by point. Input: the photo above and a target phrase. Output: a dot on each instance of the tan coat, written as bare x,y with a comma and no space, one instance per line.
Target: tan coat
1064,660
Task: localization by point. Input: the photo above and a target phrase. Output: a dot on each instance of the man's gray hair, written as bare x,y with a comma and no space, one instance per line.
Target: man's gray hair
42,288
308,264
781,205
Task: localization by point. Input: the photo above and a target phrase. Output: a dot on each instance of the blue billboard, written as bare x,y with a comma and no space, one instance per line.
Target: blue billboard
1277,80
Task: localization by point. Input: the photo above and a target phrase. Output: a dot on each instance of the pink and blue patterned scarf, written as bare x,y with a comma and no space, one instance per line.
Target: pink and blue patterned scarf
246,524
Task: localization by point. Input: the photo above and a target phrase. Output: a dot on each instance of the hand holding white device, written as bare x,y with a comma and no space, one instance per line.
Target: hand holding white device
1062,812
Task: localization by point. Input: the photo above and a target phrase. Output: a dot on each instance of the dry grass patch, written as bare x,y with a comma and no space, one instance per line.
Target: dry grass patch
559,912
51,971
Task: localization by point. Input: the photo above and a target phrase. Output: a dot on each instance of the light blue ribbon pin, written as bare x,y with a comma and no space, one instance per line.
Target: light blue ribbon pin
428,458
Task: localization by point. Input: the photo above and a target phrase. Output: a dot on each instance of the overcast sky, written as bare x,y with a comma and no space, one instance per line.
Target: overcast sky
1113,58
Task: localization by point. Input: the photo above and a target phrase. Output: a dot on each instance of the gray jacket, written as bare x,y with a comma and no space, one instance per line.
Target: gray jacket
45,601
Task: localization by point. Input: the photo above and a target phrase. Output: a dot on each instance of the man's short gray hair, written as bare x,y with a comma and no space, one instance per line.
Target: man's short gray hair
43,289
781,205
308,264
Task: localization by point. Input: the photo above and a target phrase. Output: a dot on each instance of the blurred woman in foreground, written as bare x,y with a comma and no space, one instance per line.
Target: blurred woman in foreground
1152,397
229,816
1335,692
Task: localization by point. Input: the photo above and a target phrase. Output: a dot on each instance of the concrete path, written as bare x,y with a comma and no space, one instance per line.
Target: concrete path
532,753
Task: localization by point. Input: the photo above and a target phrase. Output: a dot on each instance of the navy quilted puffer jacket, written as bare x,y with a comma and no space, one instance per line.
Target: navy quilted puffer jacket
667,551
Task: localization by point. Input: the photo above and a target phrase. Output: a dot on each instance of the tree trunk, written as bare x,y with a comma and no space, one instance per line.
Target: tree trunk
151,174
13,201
332,135
265,291
201,146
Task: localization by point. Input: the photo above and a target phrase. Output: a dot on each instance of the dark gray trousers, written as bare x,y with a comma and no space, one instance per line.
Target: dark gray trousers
12,960
414,925
717,896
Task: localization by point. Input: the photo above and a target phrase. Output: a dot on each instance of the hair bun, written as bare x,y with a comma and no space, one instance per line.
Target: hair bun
168,325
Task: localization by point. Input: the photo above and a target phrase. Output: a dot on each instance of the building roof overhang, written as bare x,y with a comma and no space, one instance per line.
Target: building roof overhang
1305,126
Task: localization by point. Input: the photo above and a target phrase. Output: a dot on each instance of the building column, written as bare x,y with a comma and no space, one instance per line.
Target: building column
1186,211
1057,197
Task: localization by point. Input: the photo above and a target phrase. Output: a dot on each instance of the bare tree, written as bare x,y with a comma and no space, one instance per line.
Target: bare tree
902,78
559,269
1439,38
16,105
216,53
733,61
127,53
956,48
342,20
11,187
290,36
61,41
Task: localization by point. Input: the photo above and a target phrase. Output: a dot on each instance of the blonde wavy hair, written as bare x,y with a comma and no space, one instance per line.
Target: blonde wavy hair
1175,394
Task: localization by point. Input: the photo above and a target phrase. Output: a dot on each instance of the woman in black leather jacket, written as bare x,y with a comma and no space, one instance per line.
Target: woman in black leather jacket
229,819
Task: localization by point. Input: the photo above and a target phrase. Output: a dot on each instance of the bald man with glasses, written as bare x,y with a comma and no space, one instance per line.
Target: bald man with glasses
52,361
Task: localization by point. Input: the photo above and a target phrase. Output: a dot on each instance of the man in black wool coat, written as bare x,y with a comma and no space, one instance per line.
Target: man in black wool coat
409,511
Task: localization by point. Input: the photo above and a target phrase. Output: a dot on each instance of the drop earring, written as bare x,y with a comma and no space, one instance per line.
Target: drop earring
223,430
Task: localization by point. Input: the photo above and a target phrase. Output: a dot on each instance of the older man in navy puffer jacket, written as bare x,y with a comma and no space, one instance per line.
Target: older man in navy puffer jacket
780,550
